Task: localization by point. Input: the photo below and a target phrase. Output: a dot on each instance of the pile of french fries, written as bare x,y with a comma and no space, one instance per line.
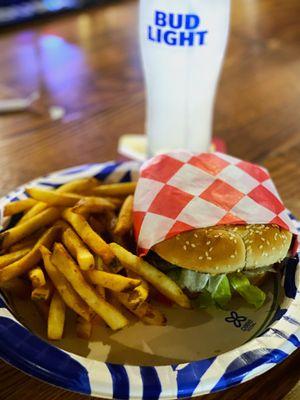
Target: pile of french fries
72,249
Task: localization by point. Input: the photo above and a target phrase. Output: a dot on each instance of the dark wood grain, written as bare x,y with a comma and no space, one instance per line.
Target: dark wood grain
89,64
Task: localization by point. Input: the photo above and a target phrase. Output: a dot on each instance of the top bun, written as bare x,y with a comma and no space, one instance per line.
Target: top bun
226,248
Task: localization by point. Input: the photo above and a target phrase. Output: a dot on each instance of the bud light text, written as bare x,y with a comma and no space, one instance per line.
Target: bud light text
177,29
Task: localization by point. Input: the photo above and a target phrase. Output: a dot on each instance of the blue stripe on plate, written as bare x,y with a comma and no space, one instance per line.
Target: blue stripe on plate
291,320
73,171
151,383
53,185
106,171
30,354
188,377
279,314
245,363
120,381
289,281
293,339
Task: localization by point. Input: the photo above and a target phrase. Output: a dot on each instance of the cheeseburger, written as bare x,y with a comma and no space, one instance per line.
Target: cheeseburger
211,263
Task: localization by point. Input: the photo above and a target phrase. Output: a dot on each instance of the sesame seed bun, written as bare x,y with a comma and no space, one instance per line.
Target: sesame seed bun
226,248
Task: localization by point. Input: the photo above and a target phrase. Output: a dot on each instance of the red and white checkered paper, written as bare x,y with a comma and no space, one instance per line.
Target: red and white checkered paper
181,191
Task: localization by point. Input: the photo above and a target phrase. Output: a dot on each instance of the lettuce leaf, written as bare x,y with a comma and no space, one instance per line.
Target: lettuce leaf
219,288
193,281
252,294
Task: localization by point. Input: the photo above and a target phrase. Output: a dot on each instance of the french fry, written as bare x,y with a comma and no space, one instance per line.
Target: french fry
114,282
154,316
13,235
82,185
53,198
117,201
83,328
99,265
31,259
68,294
76,186
37,277
101,291
78,250
18,206
62,224
36,209
142,291
89,205
125,221
9,258
145,311
139,294
115,189
90,237
63,261
41,293
27,242
56,317
162,282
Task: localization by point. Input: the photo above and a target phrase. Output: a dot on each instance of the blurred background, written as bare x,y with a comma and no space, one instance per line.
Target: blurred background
78,62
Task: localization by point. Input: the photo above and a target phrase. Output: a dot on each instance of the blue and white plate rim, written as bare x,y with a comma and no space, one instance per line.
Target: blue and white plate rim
24,350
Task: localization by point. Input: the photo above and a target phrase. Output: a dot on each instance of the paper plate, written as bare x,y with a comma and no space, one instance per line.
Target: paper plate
198,352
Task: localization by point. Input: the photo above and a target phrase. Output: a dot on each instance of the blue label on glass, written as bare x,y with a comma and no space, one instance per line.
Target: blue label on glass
177,29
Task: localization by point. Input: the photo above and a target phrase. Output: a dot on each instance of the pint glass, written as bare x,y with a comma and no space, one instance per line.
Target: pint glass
183,44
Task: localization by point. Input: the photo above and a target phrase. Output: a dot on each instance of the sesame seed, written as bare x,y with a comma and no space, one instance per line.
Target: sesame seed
216,236
217,267
235,241
210,249
231,238
267,227
184,247
206,253
235,228
195,234
268,243
193,245
232,256
235,252
209,258
208,243
263,239
187,242
261,247
200,258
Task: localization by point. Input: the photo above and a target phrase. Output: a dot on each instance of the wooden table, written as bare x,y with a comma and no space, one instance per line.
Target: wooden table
88,63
